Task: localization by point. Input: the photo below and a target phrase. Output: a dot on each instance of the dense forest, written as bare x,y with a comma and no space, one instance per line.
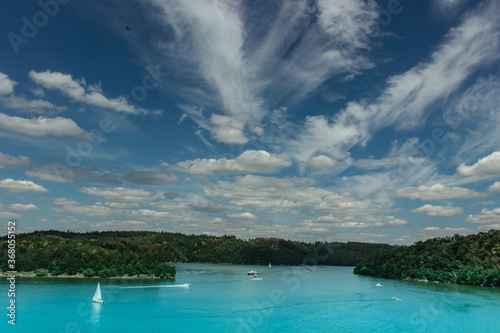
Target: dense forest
118,253
472,260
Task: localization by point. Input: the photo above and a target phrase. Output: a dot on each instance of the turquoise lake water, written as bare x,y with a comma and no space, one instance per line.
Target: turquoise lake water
223,298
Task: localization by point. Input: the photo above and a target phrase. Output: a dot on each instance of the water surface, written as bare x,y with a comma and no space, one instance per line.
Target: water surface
223,298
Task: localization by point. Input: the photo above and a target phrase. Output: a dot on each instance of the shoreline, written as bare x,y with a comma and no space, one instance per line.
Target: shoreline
81,276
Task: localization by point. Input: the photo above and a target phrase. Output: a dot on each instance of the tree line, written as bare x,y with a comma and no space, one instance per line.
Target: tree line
471,260
120,253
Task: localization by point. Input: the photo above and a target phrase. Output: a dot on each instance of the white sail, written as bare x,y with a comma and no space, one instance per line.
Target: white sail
97,295
270,265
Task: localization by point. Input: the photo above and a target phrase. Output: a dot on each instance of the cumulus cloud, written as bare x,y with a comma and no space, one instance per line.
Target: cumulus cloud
41,126
65,201
6,85
321,162
79,91
486,166
243,216
485,216
12,185
258,161
431,210
120,193
437,192
495,187
22,207
88,210
228,130
9,215
149,178
8,161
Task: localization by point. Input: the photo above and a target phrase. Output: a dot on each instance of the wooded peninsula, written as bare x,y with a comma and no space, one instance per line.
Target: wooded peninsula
141,253
472,260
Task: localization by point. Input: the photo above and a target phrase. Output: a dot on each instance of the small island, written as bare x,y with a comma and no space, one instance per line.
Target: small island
471,260
146,254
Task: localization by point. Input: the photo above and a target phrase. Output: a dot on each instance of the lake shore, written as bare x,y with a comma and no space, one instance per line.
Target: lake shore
80,276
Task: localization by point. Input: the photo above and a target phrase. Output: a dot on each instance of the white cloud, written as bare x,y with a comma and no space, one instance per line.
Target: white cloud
8,161
243,216
9,215
407,98
41,126
485,216
147,214
65,201
120,205
79,91
236,66
89,210
438,192
486,166
120,194
431,210
227,129
22,207
30,106
495,187
258,161
319,134
321,162
12,185
6,85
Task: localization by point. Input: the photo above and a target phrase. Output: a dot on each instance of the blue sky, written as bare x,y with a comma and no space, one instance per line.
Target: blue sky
326,120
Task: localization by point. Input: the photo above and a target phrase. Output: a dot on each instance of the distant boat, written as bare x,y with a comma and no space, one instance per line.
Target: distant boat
378,285
269,265
252,273
97,295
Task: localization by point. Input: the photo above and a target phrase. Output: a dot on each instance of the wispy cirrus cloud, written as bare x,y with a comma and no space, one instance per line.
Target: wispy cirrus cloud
408,96
246,68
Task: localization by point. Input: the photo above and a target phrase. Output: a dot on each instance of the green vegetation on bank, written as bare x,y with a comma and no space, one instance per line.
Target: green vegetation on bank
472,260
120,253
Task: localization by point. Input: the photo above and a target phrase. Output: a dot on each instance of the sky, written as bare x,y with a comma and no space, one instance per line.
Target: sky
310,120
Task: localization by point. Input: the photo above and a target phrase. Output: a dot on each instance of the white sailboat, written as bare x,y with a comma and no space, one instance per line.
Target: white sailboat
270,265
97,295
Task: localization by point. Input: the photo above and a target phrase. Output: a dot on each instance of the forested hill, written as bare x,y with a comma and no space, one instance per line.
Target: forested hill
472,259
133,253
